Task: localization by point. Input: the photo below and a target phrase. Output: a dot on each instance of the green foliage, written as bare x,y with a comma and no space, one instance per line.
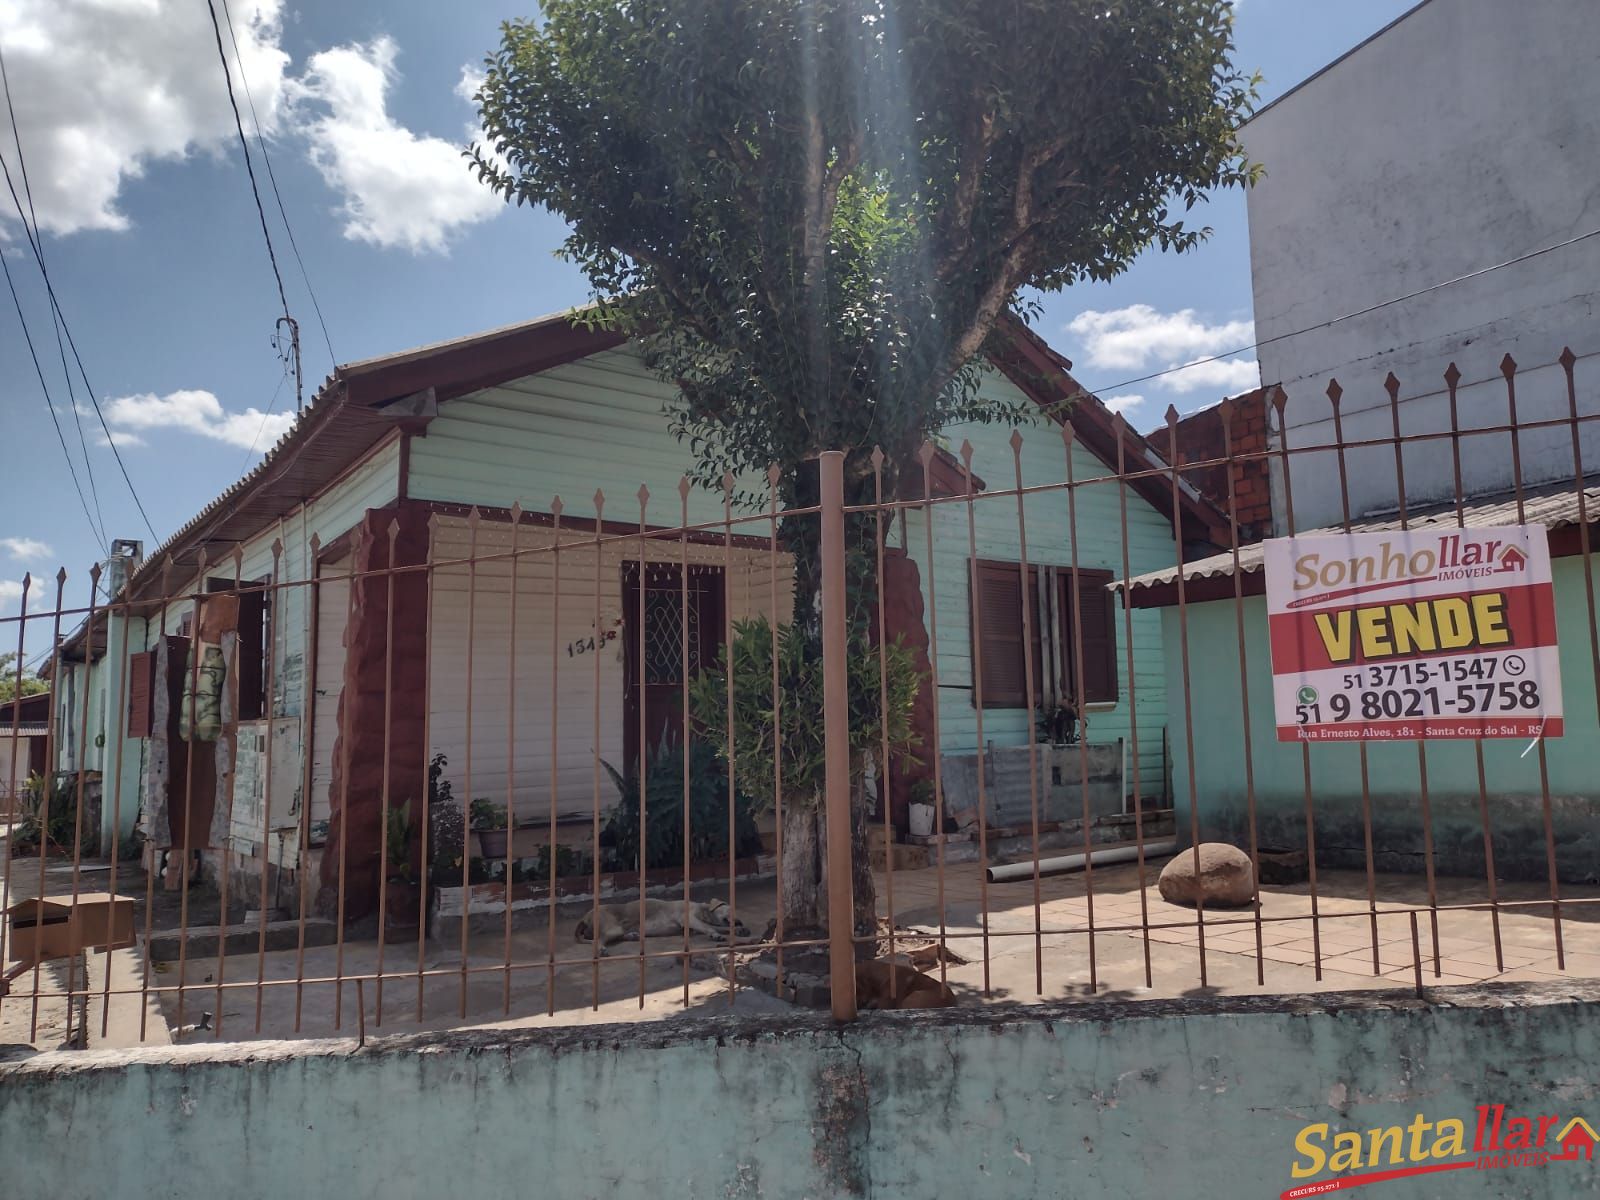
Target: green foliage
58,817
487,815
798,714
814,212
569,861
664,815
447,827
31,684
398,835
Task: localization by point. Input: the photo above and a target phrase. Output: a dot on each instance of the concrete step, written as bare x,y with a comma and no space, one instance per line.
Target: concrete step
165,945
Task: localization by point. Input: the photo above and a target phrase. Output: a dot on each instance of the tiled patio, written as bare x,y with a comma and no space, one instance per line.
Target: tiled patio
1290,947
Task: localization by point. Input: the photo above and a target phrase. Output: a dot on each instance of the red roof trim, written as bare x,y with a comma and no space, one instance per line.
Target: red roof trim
1046,378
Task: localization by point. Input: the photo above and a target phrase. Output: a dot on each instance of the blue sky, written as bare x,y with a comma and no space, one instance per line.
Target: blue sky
152,242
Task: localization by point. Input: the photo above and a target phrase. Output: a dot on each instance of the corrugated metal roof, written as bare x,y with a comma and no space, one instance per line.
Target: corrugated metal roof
1552,505
25,730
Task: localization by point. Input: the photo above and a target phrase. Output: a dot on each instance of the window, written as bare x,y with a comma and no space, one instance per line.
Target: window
998,633
254,642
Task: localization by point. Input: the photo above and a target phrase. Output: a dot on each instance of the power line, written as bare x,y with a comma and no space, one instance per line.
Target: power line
272,179
1349,316
100,534
55,325
77,358
261,212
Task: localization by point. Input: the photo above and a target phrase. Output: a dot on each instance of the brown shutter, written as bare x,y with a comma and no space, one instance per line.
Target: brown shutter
996,615
141,692
1098,609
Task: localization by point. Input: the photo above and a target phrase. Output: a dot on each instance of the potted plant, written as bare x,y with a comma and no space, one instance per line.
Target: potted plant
402,893
489,823
1056,722
920,807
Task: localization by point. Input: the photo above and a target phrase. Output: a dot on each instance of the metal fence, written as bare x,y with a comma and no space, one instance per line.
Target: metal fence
415,775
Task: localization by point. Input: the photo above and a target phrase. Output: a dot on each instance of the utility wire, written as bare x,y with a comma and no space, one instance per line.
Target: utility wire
55,325
77,358
238,125
100,534
1349,316
272,179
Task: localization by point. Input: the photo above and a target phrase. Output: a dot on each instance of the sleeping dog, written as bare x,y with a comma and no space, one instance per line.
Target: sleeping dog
662,918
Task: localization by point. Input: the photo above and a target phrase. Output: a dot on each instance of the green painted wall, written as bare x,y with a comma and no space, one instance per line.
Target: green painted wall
1511,769
1049,526
1098,1101
592,424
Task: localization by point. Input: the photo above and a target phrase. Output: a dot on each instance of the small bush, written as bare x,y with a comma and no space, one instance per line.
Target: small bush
663,788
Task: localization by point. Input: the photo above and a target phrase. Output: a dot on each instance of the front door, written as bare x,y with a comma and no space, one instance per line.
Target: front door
655,682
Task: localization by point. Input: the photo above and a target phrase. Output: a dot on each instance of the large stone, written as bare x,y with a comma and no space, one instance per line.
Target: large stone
1223,880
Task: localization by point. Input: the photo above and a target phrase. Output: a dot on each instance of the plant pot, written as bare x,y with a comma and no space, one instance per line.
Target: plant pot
402,910
921,819
492,843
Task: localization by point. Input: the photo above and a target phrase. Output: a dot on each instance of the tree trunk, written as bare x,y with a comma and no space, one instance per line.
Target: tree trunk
802,893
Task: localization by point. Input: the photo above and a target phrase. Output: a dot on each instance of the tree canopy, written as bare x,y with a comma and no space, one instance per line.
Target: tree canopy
32,685
815,211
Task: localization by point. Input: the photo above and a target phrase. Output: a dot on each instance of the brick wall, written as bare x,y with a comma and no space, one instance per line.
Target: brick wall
1200,439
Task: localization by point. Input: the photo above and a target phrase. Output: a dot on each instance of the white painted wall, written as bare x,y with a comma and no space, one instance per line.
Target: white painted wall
1462,137
515,684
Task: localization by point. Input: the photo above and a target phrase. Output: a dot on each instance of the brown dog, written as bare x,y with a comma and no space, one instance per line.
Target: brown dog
881,984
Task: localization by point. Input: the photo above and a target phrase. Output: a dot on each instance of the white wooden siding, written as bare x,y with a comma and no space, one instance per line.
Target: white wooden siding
512,686
333,616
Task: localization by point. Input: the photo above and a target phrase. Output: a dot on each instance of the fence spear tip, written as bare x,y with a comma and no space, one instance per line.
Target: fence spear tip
1452,375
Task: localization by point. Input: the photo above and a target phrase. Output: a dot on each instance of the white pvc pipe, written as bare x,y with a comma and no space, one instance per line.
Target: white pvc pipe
1011,872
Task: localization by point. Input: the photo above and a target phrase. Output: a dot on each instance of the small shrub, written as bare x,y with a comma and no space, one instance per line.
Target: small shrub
664,793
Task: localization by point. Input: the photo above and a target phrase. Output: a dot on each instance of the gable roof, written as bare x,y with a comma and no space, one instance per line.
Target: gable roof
362,402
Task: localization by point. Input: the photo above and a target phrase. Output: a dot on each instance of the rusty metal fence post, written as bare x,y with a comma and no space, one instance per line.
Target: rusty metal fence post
836,734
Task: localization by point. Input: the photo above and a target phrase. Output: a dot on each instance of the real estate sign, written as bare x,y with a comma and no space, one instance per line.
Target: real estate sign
1436,633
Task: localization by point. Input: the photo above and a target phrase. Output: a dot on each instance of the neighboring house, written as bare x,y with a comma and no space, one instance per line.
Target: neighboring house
1458,138
24,731
1512,773
343,692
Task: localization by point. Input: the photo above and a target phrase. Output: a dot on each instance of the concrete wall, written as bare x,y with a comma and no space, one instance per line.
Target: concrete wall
1460,138
1512,776
1165,1098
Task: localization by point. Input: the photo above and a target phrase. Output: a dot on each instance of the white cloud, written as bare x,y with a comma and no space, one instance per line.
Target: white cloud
1125,404
1227,375
471,80
1141,339
26,548
195,411
399,188
1132,338
10,592
103,88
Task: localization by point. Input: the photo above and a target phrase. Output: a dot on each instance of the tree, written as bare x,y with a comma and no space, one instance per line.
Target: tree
32,685
813,213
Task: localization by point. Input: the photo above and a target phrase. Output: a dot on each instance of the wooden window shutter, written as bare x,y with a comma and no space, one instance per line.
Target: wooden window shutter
141,692
996,615
1098,610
